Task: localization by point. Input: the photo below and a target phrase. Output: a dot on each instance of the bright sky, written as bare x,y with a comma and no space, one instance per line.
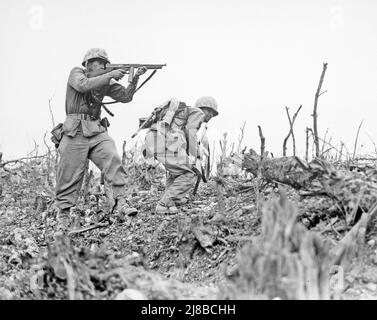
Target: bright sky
254,57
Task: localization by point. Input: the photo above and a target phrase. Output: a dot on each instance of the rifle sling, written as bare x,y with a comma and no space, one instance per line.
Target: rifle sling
107,110
112,102
103,104
146,80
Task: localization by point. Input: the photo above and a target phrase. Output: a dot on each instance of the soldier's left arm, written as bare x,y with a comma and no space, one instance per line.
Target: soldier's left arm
120,93
194,120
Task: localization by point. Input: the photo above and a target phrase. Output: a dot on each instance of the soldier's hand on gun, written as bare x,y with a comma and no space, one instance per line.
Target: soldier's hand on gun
117,74
141,71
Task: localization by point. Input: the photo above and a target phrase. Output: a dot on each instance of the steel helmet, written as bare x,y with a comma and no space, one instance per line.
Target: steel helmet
95,53
207,102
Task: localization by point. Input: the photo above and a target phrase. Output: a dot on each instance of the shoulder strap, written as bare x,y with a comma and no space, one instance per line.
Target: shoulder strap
102,104
182,107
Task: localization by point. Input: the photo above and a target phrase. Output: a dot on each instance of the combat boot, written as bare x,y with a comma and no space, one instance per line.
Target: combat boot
181,202
123,209
164,209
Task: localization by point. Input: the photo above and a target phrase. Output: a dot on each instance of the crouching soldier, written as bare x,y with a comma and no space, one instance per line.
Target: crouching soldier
172,140
85,135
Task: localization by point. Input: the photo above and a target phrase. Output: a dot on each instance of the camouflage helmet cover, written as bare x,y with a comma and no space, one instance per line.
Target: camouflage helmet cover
95,53
207,102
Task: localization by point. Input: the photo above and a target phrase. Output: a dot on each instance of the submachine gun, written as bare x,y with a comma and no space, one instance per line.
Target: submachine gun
129,69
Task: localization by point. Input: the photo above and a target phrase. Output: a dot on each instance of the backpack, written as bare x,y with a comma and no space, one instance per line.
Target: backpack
172,115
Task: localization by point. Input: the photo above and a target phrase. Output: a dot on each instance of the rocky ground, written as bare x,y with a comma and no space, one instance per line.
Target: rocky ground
195,254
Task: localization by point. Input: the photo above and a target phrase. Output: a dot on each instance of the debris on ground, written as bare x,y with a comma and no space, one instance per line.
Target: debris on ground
266,244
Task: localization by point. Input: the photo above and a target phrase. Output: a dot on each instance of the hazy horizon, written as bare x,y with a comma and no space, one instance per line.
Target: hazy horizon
254,57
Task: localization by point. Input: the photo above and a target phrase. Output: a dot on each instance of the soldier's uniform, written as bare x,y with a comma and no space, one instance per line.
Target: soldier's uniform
85,137
176,149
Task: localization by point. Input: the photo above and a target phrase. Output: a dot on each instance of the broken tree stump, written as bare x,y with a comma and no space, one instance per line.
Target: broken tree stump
286,170
354,192
286,262
352,243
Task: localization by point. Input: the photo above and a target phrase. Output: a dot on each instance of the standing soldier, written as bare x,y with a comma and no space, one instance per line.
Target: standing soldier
85,134
172,140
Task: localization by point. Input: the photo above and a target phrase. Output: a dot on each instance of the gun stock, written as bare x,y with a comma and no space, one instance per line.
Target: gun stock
145,124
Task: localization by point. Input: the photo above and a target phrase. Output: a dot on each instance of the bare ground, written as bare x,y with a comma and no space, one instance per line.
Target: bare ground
182,256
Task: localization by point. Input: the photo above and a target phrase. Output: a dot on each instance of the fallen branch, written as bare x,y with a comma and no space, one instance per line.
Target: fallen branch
88,228
360,158
3,164
221,255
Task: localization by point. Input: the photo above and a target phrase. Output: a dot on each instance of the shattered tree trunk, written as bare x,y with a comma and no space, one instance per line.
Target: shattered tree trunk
286,261
352,190
286,170
315,113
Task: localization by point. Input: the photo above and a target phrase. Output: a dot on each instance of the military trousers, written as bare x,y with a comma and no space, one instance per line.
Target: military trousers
74,152
170,150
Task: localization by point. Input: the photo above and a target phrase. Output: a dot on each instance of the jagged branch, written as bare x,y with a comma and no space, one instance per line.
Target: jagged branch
124,154
307,144
3,164
326,142
262,142
356,139
315,113
374,144
51,113
291,132
241,137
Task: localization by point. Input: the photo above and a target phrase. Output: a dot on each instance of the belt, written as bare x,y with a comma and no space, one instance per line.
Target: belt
82,116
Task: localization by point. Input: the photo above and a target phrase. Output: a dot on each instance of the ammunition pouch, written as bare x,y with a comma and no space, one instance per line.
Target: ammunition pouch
57,135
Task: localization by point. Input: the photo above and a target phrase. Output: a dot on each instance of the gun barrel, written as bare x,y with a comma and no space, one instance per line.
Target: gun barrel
134,65
126,66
